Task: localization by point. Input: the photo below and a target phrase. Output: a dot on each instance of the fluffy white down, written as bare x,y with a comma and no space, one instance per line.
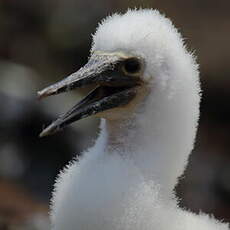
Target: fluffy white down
127,184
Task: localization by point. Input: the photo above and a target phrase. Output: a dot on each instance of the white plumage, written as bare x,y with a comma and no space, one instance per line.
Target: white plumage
126,180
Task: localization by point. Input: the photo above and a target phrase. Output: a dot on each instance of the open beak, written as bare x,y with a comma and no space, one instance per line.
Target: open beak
114,89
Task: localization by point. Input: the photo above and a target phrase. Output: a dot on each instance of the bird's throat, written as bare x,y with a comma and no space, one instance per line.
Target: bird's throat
122,135
158,138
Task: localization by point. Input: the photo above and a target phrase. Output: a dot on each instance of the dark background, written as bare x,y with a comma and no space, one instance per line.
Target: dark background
44,41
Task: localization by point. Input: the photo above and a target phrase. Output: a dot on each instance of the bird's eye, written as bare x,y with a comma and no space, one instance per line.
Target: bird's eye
132,66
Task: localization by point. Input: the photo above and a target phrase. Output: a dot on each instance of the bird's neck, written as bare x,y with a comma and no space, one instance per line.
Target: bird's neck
159,137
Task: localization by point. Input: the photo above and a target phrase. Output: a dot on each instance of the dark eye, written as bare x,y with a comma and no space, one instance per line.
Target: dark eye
132,66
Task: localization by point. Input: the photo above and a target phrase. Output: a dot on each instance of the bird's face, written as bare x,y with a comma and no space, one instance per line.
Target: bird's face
129,58
120,86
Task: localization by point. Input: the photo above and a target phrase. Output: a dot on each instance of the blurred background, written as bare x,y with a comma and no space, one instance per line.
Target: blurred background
42,42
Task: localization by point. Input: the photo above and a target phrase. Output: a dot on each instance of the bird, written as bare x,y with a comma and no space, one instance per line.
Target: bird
147,94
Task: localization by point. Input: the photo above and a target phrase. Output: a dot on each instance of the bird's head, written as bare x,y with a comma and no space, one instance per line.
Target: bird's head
129,58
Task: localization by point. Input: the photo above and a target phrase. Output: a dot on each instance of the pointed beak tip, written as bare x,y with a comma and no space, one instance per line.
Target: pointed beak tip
39,95
46,132
42,94
43,133
50,130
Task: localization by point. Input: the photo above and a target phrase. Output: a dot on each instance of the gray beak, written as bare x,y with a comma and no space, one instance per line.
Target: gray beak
114,89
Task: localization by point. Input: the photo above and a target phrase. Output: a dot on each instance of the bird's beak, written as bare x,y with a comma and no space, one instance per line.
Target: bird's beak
113,89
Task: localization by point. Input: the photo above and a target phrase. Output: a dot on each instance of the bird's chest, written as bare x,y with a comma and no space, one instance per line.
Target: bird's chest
100,193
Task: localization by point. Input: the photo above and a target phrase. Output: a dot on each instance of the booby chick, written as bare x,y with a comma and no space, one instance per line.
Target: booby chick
147,94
